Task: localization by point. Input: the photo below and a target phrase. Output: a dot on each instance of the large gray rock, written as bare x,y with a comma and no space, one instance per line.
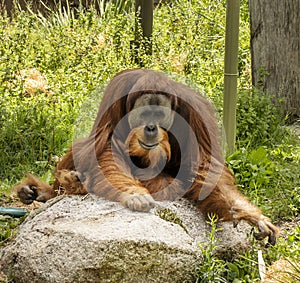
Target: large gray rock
77,239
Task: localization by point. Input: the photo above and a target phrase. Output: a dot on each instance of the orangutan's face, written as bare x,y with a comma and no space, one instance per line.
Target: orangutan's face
151,116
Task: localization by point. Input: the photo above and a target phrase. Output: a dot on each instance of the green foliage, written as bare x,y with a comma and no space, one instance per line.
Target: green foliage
35,129
268,180
7,225
287,246
293,244
253,169
266,163
211,268
259,120
190,42
69,56
242,269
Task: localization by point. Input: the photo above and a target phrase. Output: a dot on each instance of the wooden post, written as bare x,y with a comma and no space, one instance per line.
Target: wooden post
144,19
231,72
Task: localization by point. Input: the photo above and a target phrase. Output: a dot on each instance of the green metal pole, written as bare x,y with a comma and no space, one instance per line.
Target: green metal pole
231,72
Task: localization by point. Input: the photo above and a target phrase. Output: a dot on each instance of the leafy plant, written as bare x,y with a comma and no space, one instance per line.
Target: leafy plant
211,268
259,121
253,169
267,181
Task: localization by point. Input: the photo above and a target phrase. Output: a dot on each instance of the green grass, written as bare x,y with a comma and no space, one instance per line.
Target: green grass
75,57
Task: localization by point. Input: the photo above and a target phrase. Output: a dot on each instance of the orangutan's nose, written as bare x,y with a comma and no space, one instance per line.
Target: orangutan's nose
150,131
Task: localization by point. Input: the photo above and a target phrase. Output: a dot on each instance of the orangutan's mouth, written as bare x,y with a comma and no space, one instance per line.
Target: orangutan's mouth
148,146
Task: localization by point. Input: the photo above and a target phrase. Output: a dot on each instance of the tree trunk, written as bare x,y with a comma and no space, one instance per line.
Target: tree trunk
275,47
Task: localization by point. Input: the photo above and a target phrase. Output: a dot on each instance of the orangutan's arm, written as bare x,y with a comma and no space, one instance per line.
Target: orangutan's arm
229,204
112,181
